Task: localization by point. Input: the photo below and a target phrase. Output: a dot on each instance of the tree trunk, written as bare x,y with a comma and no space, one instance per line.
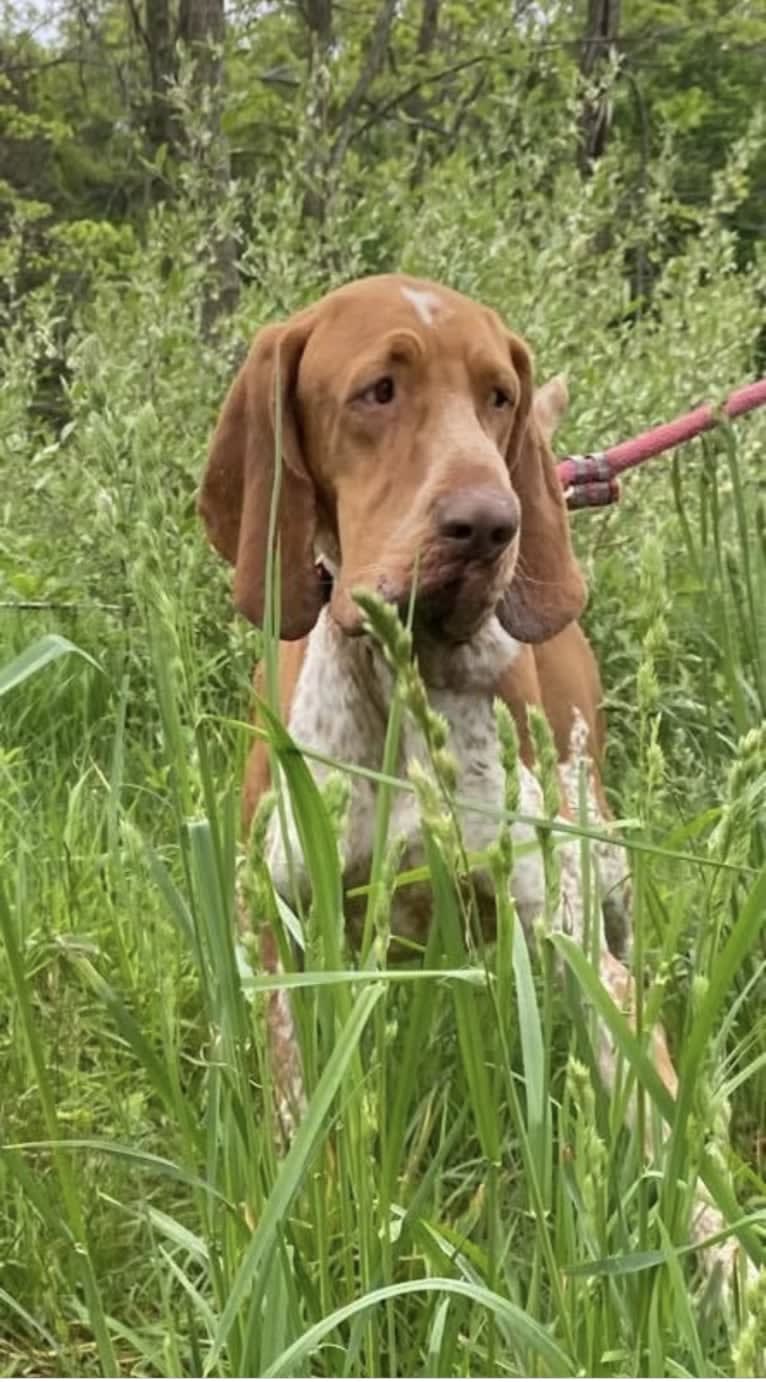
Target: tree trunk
429,27
415,106
330,132
202,28
318,18
160,47
598,48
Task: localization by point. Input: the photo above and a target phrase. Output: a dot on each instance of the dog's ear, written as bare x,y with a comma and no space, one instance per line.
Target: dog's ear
547,590
550,404
235,498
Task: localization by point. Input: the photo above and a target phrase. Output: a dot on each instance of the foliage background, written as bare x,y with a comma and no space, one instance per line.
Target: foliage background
170,178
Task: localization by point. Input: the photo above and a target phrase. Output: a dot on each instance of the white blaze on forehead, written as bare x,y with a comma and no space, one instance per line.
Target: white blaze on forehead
426,304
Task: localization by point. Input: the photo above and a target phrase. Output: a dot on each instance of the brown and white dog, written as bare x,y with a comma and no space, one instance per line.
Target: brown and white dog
413,449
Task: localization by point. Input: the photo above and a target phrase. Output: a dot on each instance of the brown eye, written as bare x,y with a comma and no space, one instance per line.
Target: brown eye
500,399
382,391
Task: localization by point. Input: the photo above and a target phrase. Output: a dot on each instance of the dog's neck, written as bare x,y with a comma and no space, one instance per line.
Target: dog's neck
472,665
340,710
343,696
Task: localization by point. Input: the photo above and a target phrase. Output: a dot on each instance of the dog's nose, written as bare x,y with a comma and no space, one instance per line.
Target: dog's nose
478,523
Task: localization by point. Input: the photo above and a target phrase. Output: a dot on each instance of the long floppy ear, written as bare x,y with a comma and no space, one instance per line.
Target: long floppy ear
550,404
236,493
547,590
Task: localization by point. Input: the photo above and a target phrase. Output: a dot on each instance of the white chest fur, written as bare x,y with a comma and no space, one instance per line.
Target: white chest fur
340,709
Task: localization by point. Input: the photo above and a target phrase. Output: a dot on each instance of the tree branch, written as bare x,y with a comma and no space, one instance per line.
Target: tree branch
373,61
428,79
137,24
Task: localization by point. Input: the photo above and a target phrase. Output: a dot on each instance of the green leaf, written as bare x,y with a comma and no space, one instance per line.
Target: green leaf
44,650
528,1333
293,1168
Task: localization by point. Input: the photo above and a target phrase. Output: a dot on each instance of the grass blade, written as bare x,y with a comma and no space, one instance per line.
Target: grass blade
44,650
293,1167
67,1180
525,1329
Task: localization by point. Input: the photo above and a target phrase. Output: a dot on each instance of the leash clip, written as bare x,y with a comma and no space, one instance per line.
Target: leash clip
593,485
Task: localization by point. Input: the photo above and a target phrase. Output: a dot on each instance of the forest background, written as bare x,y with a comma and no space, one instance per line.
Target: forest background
173,175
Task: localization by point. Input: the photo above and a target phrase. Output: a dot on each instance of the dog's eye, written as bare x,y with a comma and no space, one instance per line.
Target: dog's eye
382,391
500,398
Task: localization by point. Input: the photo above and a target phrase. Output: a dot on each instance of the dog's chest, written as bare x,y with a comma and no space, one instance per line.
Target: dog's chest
340,710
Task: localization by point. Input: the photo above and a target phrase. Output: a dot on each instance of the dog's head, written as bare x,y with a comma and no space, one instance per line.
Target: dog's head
411,453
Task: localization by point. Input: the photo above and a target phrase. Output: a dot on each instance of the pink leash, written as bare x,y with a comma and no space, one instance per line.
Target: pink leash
591,481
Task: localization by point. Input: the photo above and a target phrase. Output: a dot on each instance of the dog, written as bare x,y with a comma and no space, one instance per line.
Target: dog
417,465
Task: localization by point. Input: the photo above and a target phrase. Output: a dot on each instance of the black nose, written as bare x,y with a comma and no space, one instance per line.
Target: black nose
478,523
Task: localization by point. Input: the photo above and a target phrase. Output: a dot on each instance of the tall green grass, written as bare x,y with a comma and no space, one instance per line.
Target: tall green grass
461,1197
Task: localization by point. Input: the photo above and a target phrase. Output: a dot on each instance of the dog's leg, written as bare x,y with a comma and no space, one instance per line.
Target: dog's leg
706,1219
569,917
609,858
283,1053
282,1049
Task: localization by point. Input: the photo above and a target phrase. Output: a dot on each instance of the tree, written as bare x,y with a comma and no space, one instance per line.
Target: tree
202,29
330,122
599,51
157,31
